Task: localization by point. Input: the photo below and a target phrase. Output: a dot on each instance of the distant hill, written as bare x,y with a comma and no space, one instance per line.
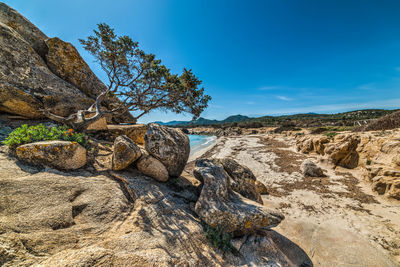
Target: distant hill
301,120
202,121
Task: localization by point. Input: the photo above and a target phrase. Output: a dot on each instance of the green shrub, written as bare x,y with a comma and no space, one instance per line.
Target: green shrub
331,134
29,134
219,238
368,162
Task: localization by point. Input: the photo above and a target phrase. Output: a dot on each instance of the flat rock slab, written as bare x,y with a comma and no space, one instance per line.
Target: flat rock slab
63,155
135,132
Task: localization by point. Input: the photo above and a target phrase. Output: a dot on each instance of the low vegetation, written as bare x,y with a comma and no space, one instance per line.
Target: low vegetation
29,134
219,238
341,121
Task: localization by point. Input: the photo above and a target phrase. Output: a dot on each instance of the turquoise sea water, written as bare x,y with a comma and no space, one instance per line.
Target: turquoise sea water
198,142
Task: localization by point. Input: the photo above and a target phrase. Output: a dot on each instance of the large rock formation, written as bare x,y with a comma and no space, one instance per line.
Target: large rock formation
344,151
242,179
63,59
219,206
170,146
127,219
63,155
37,72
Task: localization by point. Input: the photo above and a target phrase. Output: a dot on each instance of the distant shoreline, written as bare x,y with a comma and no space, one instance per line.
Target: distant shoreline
203,148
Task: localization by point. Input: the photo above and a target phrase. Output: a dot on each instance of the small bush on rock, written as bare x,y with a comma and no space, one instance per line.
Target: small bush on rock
29,134
219,238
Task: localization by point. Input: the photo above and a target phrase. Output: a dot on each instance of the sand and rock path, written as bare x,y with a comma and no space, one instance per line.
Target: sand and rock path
336,219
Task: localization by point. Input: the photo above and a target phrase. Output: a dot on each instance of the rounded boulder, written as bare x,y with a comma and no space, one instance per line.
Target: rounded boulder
170,146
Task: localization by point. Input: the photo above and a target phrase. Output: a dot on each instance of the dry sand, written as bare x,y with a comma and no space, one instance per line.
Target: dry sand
337,220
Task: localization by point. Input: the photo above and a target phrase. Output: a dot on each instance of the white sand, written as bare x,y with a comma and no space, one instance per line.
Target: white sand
333,228
203,150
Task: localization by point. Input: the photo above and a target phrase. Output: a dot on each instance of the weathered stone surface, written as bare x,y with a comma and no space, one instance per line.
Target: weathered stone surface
319,144
150,166
64,60
63,155
53,218
261,188
218,205
20,24
396,160
135,132
168,145
388,186
309,168
27,85
394,191
98,125
125,153
305,144
242,179
344,151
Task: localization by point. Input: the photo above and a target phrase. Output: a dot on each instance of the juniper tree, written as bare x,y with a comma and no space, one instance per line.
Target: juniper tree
137,81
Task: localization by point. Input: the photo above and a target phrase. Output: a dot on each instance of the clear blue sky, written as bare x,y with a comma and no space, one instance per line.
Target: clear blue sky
254,57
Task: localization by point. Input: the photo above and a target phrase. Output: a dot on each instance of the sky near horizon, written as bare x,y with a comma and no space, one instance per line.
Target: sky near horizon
255,58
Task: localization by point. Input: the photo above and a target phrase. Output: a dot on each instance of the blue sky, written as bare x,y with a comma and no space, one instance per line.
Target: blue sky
254,57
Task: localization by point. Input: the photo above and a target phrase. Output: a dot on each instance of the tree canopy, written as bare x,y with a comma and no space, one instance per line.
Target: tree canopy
139,80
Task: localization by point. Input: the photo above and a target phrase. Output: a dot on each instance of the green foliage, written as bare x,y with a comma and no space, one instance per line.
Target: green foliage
29,134
368,162
330,122
139,80
330,134
219,238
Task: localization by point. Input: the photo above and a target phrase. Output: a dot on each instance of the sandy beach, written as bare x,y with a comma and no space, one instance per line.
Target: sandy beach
336,220
203,149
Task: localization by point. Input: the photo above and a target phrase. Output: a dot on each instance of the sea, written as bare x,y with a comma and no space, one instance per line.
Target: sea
198,142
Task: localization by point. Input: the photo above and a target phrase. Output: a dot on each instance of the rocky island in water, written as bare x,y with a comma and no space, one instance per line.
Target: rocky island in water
112,192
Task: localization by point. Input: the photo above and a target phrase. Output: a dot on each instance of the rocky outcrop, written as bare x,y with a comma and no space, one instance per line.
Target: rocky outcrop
219,206
20,24
319,144
27,84
305,145
170,146
125,153
39,72
63,59
51,218
344,151
309,168
152,167
63,155
242,179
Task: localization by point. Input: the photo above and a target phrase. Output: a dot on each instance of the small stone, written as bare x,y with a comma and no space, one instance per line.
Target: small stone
150,166
309,168
125,153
